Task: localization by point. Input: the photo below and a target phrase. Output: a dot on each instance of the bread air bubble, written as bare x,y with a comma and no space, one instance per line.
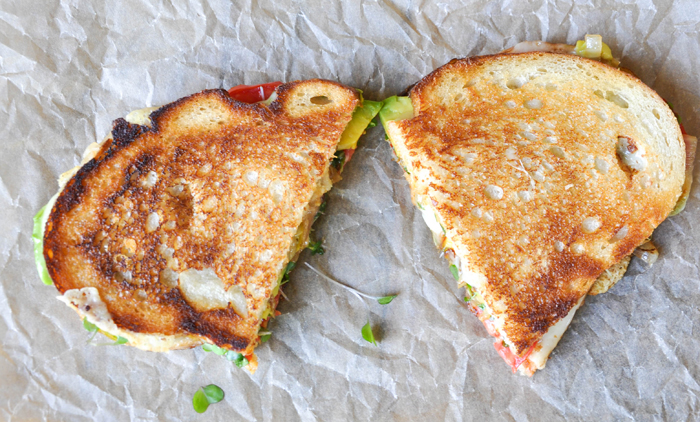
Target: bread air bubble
152,222
251,177
150,180
168,278
591,225
558,152
494,192
516,83
533,104
577,248
620,234
601,165
525,196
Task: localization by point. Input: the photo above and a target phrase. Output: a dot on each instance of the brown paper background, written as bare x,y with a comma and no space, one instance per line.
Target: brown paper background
69,67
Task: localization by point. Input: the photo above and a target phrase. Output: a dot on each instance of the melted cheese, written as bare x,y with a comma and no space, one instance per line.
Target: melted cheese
205,291
431,220
551,338
88,303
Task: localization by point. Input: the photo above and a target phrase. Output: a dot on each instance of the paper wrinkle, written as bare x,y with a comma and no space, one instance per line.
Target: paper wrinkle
68,69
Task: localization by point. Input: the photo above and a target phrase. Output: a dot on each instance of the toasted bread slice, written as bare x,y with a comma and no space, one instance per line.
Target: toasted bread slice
178,228
537,172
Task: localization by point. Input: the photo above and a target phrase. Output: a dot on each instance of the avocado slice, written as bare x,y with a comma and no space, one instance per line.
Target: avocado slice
396,108
361,118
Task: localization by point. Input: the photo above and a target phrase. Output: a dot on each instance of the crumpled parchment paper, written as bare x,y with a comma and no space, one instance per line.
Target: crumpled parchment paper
69,67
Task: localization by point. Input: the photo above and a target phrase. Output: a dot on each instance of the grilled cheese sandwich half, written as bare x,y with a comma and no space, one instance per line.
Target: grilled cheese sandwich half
178,228
535,172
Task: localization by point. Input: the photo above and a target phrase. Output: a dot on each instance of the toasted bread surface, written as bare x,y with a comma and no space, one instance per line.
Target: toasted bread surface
544,170
184,226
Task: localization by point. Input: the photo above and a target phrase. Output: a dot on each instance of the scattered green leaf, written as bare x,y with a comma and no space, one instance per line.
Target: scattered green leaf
89,326
504,344
372,124
386,299
265,337
316,248
237,358
205,396
367,334
482,306
455,271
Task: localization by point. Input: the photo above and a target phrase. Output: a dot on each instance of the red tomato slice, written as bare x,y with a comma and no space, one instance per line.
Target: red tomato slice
490,328
348,155
510,358
253,93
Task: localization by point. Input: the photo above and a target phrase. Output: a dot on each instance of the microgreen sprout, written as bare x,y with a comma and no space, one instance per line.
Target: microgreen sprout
367,333
321,210
120,340
455,271
382,300
91,328
237,358
338,159
214,349
316,248
287,270
264,336
94,329
469,291
356,292
205,396
234,357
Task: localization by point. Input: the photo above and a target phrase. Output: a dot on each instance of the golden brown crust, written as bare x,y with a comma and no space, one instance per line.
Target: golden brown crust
608,278
516,152
232,181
